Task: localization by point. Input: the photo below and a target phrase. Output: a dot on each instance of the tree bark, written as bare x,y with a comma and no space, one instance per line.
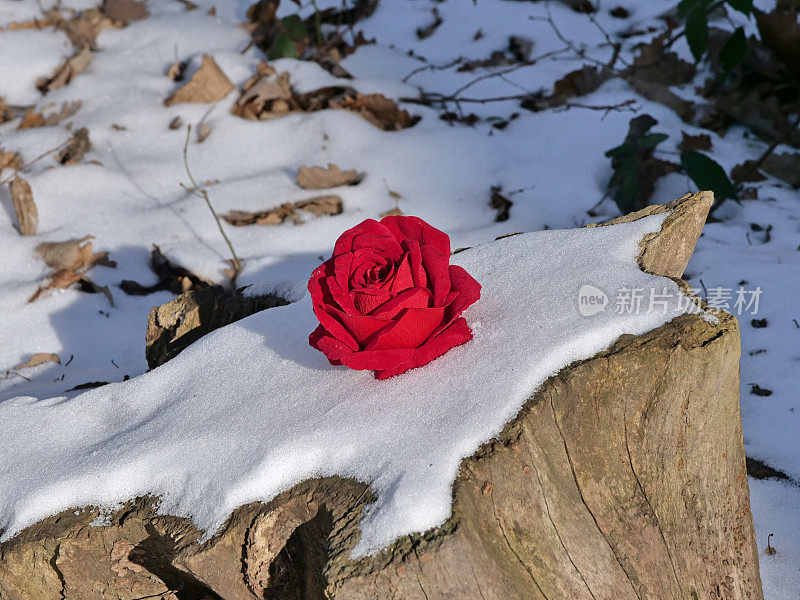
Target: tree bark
622,477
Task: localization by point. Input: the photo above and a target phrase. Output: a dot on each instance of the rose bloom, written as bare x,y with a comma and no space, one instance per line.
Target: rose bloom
389,299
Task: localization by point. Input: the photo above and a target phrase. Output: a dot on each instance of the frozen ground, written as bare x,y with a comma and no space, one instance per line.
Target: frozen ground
126,192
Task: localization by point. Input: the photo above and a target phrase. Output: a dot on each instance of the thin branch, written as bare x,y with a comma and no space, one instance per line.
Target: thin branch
28,165
432,68
237,265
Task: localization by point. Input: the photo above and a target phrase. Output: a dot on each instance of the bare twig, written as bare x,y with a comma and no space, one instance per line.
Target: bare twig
449,65
29,164
201,192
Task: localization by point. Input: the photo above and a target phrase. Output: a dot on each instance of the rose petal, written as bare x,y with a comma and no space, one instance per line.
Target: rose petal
469,291
334,327
341,266
403,278
342,298
437,265
456,334
413,298
327,344
368,234
368,299
414,228
417,270
376,359
360,326
409,330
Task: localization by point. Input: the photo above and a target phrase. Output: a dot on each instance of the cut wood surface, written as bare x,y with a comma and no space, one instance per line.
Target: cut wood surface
622,477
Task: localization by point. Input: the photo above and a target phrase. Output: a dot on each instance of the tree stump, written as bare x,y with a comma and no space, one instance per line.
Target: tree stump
622,477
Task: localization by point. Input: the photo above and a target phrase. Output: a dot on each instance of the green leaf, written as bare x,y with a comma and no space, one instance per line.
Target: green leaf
295,27
732,52
282,47
707,175
628,190
621,150
743,6
651,140
684,6
697,31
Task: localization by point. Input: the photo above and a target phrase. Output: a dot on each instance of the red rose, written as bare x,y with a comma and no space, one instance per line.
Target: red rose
389,299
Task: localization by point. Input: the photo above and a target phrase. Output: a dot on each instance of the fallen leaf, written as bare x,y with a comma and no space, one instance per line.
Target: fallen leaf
701,141
208,84
76,147
654,63
500,203
746,171
785,167
35,119
24,206
320,178
84,27
320,205
31,119
266,95
175,123
75,65
6,114
29,24
379,110
9,160
126,10
203,132
71,254
177,69
579,83
391,212
780,31
171,277
38,359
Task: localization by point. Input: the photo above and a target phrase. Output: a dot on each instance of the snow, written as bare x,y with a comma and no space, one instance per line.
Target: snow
552,159
251,409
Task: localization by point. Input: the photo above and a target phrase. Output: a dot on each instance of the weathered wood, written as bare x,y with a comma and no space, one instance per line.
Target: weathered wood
623,477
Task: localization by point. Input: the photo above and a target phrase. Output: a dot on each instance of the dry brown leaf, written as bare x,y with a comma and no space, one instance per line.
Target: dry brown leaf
6,114
35,119
208,84
266,95
203,132
24,206
126,10
701,141
72,254
177,69
320,178
392,212
746,171
29,24
76,147
378,110
83,28
31,119
9,160
579,83
780,30
320,205
75,65
39,358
